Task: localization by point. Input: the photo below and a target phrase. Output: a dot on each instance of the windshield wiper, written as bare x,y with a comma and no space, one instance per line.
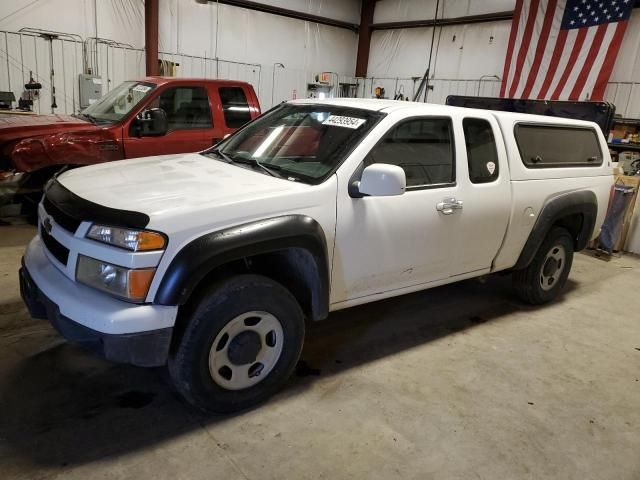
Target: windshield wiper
91,118
218,152
271,169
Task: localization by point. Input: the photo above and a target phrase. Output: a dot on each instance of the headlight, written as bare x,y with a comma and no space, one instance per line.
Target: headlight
135,240
129,284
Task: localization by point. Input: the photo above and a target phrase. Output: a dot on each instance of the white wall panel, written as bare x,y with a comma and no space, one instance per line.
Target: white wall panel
121,20
248,36
345,10
460,51
254,37
403,10
193,33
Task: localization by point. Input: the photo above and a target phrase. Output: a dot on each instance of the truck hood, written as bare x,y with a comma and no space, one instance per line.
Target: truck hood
167,186
15,130
16,127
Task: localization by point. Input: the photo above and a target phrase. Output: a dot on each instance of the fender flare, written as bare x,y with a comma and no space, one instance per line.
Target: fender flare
203,254
583,202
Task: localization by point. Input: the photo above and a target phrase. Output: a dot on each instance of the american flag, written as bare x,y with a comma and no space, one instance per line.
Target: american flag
563,49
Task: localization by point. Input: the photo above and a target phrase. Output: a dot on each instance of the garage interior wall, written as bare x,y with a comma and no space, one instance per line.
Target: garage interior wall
248,43
193,33
463,54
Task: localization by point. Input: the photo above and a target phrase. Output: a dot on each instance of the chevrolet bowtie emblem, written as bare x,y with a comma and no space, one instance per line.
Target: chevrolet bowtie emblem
47,224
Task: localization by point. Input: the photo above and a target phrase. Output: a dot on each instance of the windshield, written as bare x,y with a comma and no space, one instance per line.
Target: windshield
118,102
300,142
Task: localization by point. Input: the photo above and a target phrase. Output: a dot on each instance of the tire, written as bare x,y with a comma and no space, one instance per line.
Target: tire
547,273
241,343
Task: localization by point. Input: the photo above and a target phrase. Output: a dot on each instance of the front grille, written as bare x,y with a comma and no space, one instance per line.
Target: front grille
63,219
59,251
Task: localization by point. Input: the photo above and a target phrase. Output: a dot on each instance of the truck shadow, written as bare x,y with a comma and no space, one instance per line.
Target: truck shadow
63,406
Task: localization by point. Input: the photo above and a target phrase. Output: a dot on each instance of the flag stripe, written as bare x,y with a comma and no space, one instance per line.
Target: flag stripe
517,41
580,61
561,62
533,46
575,52
593,64
540,49
512,41
587,90
528,32
607,66
596,41
564,60
546,66
553,65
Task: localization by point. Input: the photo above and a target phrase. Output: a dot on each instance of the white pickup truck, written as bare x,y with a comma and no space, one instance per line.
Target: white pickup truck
211,261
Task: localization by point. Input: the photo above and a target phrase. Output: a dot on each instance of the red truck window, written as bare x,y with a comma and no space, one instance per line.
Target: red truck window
235,106
186,108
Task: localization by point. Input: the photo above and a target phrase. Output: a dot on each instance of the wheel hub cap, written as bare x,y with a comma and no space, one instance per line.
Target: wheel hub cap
244,348
552,267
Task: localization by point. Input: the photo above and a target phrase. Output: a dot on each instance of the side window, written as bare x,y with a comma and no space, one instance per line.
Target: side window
482,154
234,106
548,146
423,147
186,107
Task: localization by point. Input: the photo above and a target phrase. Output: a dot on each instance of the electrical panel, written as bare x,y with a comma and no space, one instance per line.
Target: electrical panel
90,89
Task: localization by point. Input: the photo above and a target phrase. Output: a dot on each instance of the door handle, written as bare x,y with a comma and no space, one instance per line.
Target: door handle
448,206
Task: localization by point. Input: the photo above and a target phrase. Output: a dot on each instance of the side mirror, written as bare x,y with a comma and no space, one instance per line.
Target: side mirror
382,180
151,123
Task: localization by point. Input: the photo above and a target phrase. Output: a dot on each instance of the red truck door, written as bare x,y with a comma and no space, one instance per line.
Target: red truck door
191,127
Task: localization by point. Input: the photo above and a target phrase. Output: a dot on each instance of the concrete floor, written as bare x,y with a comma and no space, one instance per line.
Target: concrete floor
458,382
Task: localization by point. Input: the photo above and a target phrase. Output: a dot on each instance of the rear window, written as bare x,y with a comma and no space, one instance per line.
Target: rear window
548,146
234,106
482,155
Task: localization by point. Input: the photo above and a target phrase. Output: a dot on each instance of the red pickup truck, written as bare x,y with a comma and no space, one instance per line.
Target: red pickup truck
152,116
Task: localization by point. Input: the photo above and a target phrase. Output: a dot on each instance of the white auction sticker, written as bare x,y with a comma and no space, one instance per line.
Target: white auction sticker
141,88
347,122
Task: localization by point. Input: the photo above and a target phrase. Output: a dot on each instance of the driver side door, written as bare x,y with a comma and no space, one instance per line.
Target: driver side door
395,243
189,119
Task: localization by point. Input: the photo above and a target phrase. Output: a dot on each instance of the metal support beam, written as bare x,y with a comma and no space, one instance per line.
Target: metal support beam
151,15
443,22
285,12
364,37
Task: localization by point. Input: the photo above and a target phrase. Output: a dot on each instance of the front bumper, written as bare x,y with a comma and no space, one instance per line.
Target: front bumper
119,331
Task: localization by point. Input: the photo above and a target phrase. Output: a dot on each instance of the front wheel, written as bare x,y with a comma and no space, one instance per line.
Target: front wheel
547,273
241,343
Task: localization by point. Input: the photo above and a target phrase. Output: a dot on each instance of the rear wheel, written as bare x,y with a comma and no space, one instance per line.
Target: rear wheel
240,345
547,273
